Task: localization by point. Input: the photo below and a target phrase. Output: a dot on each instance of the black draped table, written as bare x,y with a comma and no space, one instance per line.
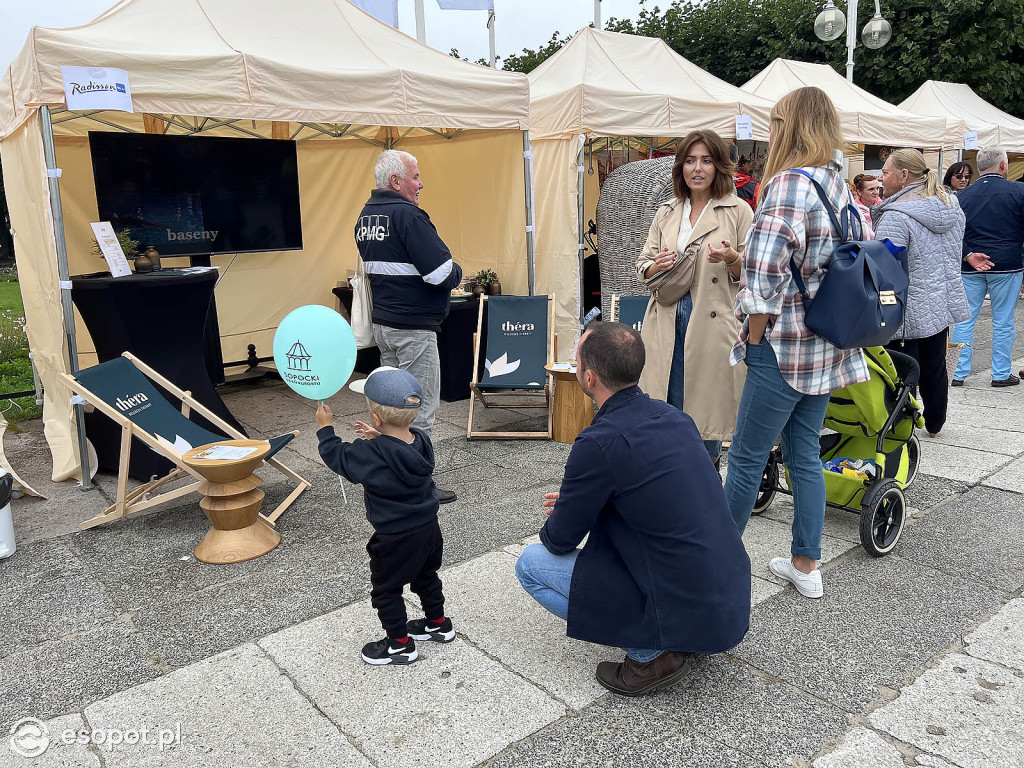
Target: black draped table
454,345
161,318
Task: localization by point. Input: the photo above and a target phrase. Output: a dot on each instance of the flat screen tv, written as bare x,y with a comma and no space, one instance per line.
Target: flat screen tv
197,196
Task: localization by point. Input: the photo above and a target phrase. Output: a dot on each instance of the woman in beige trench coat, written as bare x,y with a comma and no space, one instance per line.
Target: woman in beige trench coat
691,264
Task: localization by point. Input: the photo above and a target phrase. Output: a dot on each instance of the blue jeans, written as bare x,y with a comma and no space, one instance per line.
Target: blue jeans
769,407
1003,289
675,377
547,577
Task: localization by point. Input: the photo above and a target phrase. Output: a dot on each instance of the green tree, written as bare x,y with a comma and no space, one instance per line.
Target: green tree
530,59
977,42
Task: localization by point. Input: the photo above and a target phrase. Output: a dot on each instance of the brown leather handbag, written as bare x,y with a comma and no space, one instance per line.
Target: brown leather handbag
670,286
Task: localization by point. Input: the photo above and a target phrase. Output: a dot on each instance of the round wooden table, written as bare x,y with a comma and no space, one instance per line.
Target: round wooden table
573,410
232,500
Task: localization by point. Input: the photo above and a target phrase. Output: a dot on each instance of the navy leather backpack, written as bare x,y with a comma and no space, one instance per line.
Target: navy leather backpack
863,295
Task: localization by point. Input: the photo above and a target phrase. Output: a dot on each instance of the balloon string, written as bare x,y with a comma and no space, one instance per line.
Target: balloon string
343,494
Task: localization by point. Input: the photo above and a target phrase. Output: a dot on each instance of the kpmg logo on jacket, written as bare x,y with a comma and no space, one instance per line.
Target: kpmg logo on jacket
517,329
298,365
376,227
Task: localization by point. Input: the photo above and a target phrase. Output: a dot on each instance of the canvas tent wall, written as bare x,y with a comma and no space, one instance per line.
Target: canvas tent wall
322,72
606,84
865,119
957,101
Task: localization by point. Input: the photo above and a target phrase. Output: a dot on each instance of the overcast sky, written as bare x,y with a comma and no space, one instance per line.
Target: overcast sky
520,23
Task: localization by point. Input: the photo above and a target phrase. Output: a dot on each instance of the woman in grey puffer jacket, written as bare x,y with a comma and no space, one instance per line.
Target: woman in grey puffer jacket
922,216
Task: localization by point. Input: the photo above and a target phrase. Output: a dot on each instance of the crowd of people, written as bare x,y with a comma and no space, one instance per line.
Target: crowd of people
725,354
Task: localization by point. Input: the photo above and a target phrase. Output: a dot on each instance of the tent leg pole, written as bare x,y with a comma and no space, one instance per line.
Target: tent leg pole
531,274
940,162
67,310
580,229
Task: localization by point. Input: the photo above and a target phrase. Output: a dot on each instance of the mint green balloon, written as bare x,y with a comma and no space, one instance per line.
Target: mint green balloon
315,351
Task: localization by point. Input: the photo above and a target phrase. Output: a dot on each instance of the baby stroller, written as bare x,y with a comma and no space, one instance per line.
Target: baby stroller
875,421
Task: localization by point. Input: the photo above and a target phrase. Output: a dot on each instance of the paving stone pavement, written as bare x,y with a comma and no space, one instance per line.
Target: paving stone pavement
916,659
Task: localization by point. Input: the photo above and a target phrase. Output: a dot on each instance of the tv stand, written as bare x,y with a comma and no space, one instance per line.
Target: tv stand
253,370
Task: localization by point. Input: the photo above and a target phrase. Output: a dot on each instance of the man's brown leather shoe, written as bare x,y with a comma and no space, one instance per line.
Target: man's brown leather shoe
634,678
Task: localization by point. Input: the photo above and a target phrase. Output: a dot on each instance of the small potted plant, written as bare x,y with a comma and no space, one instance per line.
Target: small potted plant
132,249
486,281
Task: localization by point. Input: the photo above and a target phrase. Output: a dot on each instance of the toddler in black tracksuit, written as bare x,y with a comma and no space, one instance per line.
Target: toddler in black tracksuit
395,467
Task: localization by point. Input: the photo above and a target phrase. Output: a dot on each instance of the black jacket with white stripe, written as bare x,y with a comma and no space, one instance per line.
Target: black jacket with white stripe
411,270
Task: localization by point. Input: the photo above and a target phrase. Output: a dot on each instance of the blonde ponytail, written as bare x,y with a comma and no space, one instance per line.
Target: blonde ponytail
912,161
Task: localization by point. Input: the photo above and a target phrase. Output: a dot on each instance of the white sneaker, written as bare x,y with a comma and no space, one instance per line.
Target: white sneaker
807,584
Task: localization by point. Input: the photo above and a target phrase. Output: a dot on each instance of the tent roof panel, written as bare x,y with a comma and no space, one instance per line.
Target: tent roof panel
612,84
866,119
318,60
959,101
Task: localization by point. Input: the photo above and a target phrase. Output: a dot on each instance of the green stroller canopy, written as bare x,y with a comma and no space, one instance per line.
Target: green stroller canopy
862,409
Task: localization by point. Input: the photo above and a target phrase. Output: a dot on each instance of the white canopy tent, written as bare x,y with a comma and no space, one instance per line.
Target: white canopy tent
957,101
865,119
321,72
606,84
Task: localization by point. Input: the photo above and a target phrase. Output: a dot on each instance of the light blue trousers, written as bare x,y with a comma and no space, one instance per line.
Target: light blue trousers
1003,289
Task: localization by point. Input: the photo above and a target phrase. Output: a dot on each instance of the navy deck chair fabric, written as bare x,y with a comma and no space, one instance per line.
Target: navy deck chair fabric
632,310
123,387
517,342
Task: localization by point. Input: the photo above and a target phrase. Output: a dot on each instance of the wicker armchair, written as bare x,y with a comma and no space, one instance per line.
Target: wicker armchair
630,196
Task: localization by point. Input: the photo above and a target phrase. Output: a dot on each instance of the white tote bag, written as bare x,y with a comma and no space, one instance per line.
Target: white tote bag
362,308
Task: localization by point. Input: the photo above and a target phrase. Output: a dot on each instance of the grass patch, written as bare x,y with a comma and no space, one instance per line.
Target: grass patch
15,367
10,299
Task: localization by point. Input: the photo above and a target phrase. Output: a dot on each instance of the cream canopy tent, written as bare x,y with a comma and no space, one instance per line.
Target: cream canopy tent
957,101
321,72
865,119
606,84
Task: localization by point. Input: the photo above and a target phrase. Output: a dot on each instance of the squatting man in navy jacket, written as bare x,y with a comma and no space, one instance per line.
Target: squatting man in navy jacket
411,273
664,573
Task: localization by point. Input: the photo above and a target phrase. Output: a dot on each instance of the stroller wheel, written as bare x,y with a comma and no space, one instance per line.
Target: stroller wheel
914,459
883,514
769,484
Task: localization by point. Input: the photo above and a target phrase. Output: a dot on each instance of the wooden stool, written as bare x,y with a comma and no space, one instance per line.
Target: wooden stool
231,501
573,410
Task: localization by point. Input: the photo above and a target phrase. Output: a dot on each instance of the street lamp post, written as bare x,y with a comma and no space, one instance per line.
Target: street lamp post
830,23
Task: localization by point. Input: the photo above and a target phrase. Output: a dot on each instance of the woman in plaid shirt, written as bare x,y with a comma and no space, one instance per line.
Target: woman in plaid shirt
790,370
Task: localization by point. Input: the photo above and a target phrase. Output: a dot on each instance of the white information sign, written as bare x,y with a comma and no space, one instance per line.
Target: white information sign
226,452
97,88
111,248
971,140
744,128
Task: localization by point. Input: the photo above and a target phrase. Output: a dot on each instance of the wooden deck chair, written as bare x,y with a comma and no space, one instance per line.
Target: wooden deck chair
630,310
520,342
123,390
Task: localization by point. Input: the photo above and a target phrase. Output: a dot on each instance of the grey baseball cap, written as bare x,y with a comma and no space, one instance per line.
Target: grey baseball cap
389,386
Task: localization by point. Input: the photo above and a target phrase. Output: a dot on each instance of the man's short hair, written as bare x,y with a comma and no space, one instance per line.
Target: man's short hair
614,352
990,157
391,162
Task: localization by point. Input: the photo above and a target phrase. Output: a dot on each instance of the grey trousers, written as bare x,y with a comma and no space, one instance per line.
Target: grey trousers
415,352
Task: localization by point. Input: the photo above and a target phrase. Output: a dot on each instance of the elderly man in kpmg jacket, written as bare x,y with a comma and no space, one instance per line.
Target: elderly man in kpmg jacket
663,573
993,262
411,274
